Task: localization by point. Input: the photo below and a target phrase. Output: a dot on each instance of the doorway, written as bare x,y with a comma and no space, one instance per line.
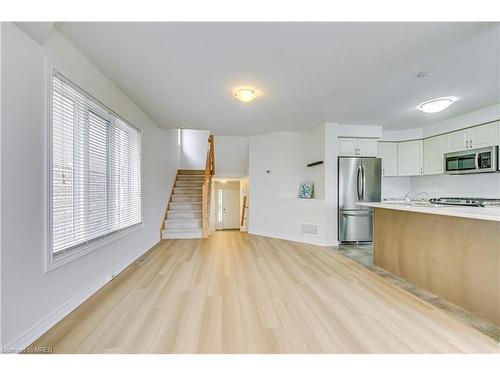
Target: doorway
227,204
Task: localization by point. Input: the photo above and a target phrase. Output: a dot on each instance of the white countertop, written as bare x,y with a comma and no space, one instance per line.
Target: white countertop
480,213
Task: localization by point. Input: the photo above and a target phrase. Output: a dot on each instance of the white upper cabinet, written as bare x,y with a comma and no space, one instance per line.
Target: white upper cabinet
348,146
367,147
410,158
357,147
477,137
457,141
484,135
433,155
388,152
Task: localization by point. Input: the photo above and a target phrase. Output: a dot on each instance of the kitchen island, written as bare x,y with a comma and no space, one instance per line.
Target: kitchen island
453,252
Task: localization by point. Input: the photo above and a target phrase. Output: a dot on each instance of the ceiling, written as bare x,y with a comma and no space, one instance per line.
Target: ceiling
183,74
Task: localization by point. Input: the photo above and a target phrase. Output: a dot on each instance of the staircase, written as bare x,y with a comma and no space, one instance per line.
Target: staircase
184,219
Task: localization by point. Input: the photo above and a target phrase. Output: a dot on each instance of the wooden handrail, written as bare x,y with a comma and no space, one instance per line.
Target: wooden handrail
209,172
243,208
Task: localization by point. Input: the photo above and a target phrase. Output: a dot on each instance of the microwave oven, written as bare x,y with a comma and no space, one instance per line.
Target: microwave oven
471,161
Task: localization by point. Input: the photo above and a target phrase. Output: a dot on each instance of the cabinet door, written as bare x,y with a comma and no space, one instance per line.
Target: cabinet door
484,135
367,147
348,146
457,141
433,155
388,151
410,158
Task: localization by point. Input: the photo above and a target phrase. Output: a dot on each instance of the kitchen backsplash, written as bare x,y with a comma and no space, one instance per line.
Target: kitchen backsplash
483,185
395,187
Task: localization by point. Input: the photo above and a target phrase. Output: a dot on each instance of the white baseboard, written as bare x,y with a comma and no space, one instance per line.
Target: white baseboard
38,329
311,241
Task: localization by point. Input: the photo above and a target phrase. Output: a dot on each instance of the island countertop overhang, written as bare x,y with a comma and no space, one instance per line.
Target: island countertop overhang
478,213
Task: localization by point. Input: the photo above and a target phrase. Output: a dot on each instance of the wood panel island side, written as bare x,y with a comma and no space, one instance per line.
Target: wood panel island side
453,252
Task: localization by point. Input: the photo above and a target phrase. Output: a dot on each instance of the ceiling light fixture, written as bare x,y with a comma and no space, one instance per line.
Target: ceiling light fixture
436,105
245,95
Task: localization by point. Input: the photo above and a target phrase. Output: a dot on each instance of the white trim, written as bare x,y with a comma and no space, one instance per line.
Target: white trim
44,324
295,238
54,262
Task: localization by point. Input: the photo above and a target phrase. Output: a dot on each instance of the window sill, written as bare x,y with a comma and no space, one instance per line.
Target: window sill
57,261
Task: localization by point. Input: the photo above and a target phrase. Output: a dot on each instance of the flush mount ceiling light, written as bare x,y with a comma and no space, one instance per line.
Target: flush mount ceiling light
436,105
245,95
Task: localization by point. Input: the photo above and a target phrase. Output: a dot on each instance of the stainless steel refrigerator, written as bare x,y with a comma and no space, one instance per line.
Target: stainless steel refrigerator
359,179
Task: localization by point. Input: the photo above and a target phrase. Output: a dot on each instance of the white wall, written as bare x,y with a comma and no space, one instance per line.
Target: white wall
33,300
331,189
402,135
274,209
194,146
359,131
313,149
481,116
482,185
231,156
395,187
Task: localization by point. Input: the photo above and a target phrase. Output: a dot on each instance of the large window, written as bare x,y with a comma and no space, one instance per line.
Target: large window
95,171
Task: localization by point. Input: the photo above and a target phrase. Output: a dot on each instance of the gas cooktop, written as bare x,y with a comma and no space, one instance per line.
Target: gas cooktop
473,202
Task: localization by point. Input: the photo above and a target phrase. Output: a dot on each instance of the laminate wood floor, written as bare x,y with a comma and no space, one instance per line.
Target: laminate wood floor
240,293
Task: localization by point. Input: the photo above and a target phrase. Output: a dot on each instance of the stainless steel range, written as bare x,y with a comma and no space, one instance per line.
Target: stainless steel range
472,202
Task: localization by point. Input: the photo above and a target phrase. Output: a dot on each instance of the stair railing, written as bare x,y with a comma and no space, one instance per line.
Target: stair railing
207,180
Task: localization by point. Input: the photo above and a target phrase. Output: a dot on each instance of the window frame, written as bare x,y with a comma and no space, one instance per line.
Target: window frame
53,261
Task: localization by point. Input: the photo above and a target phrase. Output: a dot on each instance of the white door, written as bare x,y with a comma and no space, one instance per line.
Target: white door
458,141
433,155
348,146
367,147
231,209
484,135
410,158
388,151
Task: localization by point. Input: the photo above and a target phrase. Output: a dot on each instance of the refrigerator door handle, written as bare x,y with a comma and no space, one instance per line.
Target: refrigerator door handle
364,182
358,183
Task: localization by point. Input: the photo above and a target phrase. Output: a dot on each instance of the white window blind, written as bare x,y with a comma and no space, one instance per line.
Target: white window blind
95,169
